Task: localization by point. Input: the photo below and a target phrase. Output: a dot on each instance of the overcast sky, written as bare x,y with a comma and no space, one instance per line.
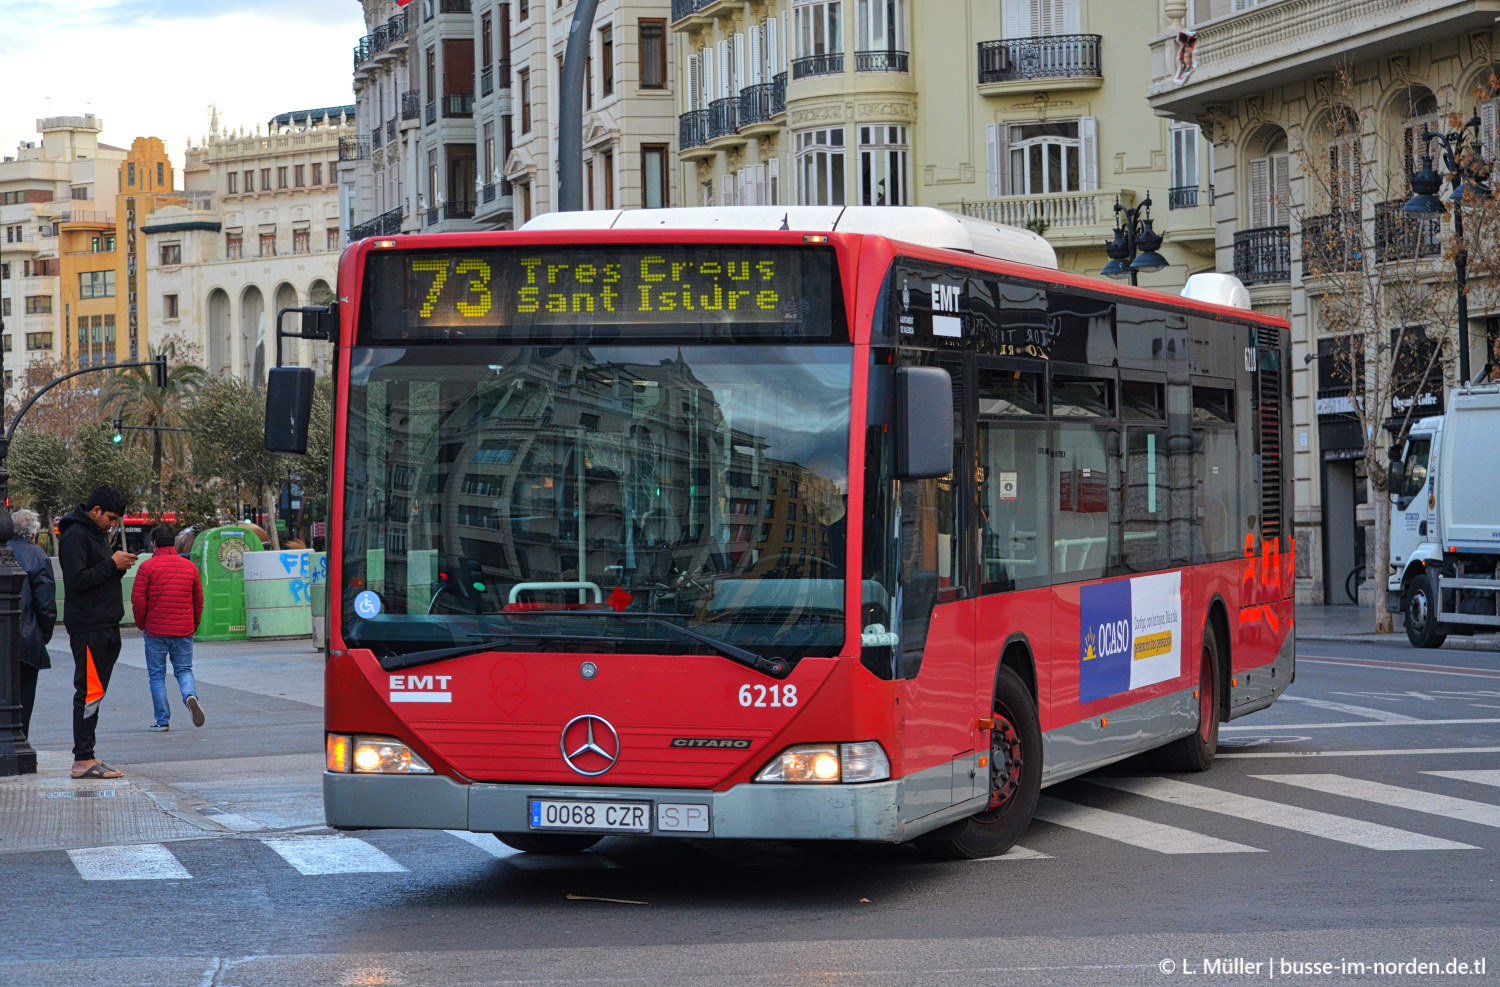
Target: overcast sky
153,67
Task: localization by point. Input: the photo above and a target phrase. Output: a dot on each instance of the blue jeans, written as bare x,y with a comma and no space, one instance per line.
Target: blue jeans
180,649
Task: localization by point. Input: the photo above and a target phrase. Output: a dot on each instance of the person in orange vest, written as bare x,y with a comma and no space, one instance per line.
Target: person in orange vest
168,603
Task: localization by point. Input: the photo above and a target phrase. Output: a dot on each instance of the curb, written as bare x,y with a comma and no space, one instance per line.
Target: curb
1488,643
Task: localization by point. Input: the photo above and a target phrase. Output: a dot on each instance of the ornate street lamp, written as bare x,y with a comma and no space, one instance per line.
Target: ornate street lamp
1469,176
1134,248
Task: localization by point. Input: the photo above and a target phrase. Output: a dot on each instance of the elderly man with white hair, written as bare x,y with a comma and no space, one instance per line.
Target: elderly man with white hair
38,608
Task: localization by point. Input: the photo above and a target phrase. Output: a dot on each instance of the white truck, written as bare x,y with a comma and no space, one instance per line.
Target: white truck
1444,573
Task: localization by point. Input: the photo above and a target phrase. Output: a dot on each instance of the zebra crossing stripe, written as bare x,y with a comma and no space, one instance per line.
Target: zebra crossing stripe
1479,813
1324,825
333,855
146,862
1137,832
485,842
1491,778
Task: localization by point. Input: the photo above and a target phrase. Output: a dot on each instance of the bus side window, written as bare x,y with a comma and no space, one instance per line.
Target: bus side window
1014,522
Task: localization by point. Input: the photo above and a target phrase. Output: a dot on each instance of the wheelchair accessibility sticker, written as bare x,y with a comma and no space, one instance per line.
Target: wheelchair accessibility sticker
1130,635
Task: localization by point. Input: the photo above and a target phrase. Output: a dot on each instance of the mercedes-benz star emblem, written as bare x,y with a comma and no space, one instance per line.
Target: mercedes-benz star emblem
590,745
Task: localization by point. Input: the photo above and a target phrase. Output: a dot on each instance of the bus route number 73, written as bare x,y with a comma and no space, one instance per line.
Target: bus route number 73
768,695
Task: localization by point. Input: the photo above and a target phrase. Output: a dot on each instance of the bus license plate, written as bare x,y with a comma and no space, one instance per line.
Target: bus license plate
615,817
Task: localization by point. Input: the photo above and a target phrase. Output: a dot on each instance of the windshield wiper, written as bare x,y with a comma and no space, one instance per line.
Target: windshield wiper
777,668
394,663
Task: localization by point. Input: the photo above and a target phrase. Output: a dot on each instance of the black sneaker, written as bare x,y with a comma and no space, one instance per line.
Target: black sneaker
196,709
160,727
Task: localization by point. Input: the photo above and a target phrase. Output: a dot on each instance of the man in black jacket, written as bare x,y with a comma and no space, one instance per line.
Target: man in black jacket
95,607
38,609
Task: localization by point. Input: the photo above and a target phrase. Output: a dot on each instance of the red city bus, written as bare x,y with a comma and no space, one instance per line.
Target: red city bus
807,523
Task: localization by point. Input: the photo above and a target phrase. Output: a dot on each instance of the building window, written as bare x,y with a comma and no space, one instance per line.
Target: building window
6,347
249,181
820,167
588,79
281,177
171,254
609,179
818,28
265,179
234,183
607,61
301,241
1270,187
588,181
486,42
523,10
91,284
130,173
299,176
4,272
1038,18
169,306
882,25
431,74
161,174
317,174
523,193
1045,158
1183,166
41,304
653,35
234,246
654,176
523,82
38,340
488,164
333,172
882,166
333,238
268,245
79,193
4,307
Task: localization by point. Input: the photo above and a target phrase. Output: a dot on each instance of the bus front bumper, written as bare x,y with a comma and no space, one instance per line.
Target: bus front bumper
871,811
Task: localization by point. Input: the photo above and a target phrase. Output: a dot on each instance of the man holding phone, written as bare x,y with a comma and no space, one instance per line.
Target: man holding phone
95,607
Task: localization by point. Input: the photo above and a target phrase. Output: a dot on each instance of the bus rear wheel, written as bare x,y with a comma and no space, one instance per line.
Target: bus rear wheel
550,843
1015,764
1195,752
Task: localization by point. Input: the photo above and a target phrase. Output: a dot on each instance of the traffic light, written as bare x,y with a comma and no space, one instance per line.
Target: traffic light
119,435
159,370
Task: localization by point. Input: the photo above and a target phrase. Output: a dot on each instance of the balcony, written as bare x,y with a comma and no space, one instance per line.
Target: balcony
1072,218
723,118
1331,244
881,61
390,130
1065,61
1263,255
487,194
1403,236
375,138
692,130
1183,198
453,6
411,105
757,106
829,63
458,105
431,113
396,30
486,82
463,208
386,224
432,216
1292,40
361,52
354,148
687,8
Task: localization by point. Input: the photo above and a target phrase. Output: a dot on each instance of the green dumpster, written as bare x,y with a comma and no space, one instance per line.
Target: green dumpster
219,554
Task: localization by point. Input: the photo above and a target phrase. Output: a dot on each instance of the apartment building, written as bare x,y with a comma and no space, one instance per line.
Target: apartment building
65,176
1276,85
1026,112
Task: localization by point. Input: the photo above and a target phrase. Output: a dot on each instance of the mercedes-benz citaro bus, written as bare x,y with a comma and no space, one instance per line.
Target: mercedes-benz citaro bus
787,523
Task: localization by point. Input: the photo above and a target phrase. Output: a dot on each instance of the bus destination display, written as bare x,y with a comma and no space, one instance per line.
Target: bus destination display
445,294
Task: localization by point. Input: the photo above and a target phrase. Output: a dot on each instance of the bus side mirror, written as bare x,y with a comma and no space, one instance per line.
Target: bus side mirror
289,398
320,322
924,423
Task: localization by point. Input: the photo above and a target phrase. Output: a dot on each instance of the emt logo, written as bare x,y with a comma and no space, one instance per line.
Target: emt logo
421,689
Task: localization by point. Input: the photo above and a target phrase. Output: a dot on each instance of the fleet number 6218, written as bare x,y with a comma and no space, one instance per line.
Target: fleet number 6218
768,695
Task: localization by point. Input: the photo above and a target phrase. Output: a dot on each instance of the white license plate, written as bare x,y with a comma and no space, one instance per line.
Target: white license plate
614,817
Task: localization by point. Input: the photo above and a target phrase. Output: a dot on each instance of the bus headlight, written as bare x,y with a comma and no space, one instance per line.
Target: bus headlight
374,756
828,763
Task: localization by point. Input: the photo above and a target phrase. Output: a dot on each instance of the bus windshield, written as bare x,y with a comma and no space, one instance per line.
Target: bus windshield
511,492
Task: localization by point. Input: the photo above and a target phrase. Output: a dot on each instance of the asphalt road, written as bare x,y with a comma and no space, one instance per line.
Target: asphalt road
1357,821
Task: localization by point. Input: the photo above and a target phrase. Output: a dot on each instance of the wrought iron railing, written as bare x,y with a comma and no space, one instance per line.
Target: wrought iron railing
396,28
692,129
458,105
682,8
503,66
362,52
432,216
460,209
880,61
829,63
431,112
1403,236
386,224
411,105
1056,56
1183,197
778,96
755,103
390,130
354,148
487,194
379,40
486,82
723,117
453,6
1331,243
1263,255
375,137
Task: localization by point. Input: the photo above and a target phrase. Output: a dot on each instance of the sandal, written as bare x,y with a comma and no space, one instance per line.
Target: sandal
98,770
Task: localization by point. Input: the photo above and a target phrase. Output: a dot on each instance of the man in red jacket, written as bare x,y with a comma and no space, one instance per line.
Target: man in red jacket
168,603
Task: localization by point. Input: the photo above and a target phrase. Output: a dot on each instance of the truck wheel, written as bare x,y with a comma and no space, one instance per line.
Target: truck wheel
1195,752
1015,781
551,843
1419,605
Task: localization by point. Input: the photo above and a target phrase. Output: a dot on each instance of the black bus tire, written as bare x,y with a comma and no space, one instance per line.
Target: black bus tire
1419,612
1015,765
1195,752
549,843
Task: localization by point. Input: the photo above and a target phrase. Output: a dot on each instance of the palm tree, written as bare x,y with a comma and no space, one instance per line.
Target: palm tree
132,395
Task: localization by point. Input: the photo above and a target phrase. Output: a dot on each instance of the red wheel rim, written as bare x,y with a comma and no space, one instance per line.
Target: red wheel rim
1006,760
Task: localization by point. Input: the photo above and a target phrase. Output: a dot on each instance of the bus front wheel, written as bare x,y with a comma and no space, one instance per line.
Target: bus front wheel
1015,765
551,843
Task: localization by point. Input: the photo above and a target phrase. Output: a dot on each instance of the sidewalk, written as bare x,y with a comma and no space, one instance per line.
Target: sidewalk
1357,625
255,765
